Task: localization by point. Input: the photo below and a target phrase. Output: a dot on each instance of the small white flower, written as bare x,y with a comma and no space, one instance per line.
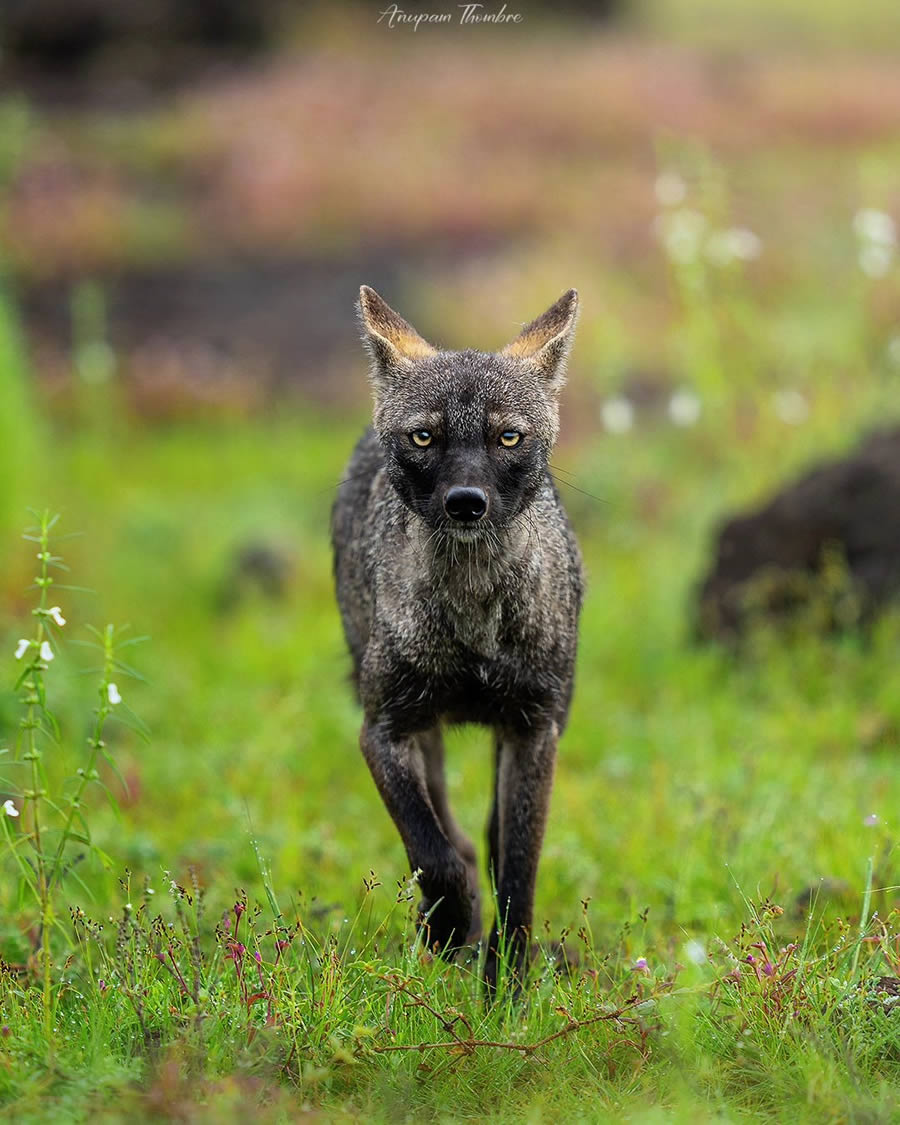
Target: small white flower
682,234
791,407
875,259
670,189
875,226
870,821
684,408
695,952
46,652
112,693
22,647
56,614
617,415
737,244
745,245
10,809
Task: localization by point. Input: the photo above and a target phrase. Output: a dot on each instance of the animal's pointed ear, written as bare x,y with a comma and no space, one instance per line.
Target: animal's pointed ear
392,342
546,341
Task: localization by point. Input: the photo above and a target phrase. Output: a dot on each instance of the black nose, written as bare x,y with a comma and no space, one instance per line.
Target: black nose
468,504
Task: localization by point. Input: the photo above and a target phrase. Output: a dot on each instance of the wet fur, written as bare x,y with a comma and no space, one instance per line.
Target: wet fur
450,625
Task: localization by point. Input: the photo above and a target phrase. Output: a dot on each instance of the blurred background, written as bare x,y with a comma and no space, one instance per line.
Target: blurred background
200,188
190,197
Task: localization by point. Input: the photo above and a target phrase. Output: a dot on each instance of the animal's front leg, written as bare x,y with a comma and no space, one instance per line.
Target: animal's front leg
432,745
525,766
398,767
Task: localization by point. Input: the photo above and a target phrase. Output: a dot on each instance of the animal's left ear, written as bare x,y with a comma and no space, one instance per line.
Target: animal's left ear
546,341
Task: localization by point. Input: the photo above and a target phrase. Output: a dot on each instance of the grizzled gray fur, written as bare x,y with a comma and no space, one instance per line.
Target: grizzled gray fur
459,582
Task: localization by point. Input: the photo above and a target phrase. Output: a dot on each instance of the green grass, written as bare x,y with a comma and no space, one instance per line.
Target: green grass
709,806
691,787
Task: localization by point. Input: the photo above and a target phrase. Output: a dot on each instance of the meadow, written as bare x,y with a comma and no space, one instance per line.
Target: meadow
229,927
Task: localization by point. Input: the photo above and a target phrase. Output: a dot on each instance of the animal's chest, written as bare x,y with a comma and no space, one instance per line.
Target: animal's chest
442,625
475,667
456,648
467,627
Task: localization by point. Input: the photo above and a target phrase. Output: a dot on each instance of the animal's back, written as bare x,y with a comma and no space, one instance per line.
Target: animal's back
352,520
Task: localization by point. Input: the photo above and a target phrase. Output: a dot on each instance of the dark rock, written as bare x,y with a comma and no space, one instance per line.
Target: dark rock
818,893
255,566
123,55
64,34
831,540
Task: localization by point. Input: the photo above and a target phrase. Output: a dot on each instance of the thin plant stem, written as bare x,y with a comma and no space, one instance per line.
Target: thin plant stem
88,773
35,706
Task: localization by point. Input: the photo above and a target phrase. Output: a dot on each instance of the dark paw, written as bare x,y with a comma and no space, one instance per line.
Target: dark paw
445,925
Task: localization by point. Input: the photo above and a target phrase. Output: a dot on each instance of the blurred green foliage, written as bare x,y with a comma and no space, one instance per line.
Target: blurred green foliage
21,465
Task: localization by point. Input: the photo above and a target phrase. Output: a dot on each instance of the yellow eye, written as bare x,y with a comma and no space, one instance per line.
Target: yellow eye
421,438
509,438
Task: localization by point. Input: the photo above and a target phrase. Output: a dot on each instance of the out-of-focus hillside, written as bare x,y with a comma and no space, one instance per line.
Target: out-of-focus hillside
468,173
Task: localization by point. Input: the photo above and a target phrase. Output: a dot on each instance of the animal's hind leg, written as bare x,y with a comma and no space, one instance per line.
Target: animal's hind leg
432,744
524,780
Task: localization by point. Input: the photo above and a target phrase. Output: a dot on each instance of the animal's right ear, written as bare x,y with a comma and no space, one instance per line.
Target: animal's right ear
393,343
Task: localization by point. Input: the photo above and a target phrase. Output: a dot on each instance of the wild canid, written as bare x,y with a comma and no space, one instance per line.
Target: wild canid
460,583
